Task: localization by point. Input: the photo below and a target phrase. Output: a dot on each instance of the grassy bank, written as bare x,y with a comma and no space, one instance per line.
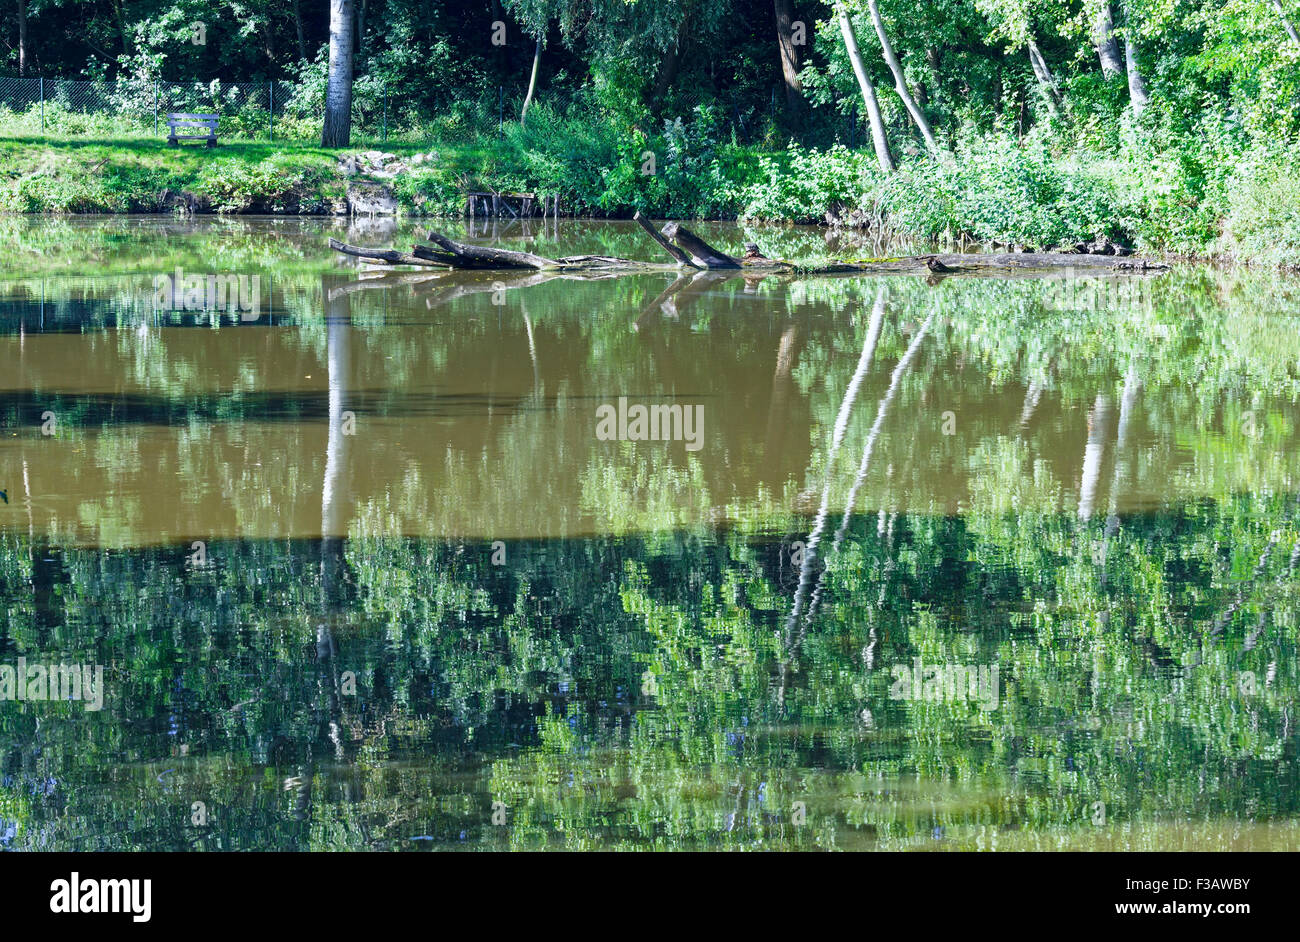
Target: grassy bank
1157,197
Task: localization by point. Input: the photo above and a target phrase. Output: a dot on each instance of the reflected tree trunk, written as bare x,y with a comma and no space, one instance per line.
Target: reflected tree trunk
882,412
1093,454
819,523
895,381
1033,394
778,425
842,418
1132,386
335,492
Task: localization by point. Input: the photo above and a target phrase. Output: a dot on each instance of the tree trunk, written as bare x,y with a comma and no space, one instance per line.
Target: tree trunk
22,37
662,240
789,56
878,137
123,30
1046,81
932,62
669,65
1103,36
337,131
900,80
297,22
1286,23
702,254
268,46
532,80
1137,86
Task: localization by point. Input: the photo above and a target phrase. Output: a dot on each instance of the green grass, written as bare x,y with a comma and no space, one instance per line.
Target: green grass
136,174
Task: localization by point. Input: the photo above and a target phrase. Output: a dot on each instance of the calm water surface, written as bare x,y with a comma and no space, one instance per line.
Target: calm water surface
974,564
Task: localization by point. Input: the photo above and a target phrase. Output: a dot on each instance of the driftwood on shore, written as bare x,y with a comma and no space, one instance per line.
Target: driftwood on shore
691,252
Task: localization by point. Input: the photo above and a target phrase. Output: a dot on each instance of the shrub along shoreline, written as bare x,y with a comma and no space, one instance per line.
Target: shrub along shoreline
993,189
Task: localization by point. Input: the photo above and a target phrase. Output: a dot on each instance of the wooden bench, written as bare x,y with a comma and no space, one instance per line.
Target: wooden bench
194,125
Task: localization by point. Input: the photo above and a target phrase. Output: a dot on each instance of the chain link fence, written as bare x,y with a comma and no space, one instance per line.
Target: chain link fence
285,111
270,110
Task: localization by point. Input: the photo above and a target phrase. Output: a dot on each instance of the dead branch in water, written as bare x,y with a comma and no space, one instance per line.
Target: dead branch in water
688,250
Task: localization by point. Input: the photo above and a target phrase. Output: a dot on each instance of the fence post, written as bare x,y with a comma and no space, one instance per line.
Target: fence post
42,104
155,107
270,110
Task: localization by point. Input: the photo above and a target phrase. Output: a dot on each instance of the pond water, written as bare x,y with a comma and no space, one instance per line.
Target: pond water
378,561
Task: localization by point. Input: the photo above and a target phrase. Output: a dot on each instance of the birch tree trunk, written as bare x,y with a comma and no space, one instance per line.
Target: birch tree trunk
337,131
1286,23
532,80
1103,37
22,37
878,137
1046,81
1137,86
900,80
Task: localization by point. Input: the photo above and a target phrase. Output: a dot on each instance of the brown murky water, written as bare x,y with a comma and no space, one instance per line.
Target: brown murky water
1087,483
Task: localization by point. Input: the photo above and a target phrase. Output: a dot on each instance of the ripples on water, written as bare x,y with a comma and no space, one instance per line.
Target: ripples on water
361,574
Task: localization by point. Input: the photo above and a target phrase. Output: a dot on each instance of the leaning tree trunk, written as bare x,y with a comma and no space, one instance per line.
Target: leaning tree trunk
878,137
900,80
789,56
532,80
1046,81
1103,36
337,131
1286,23
1137,86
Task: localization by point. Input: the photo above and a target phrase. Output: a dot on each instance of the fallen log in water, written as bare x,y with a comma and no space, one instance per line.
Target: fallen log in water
387,256
688,250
